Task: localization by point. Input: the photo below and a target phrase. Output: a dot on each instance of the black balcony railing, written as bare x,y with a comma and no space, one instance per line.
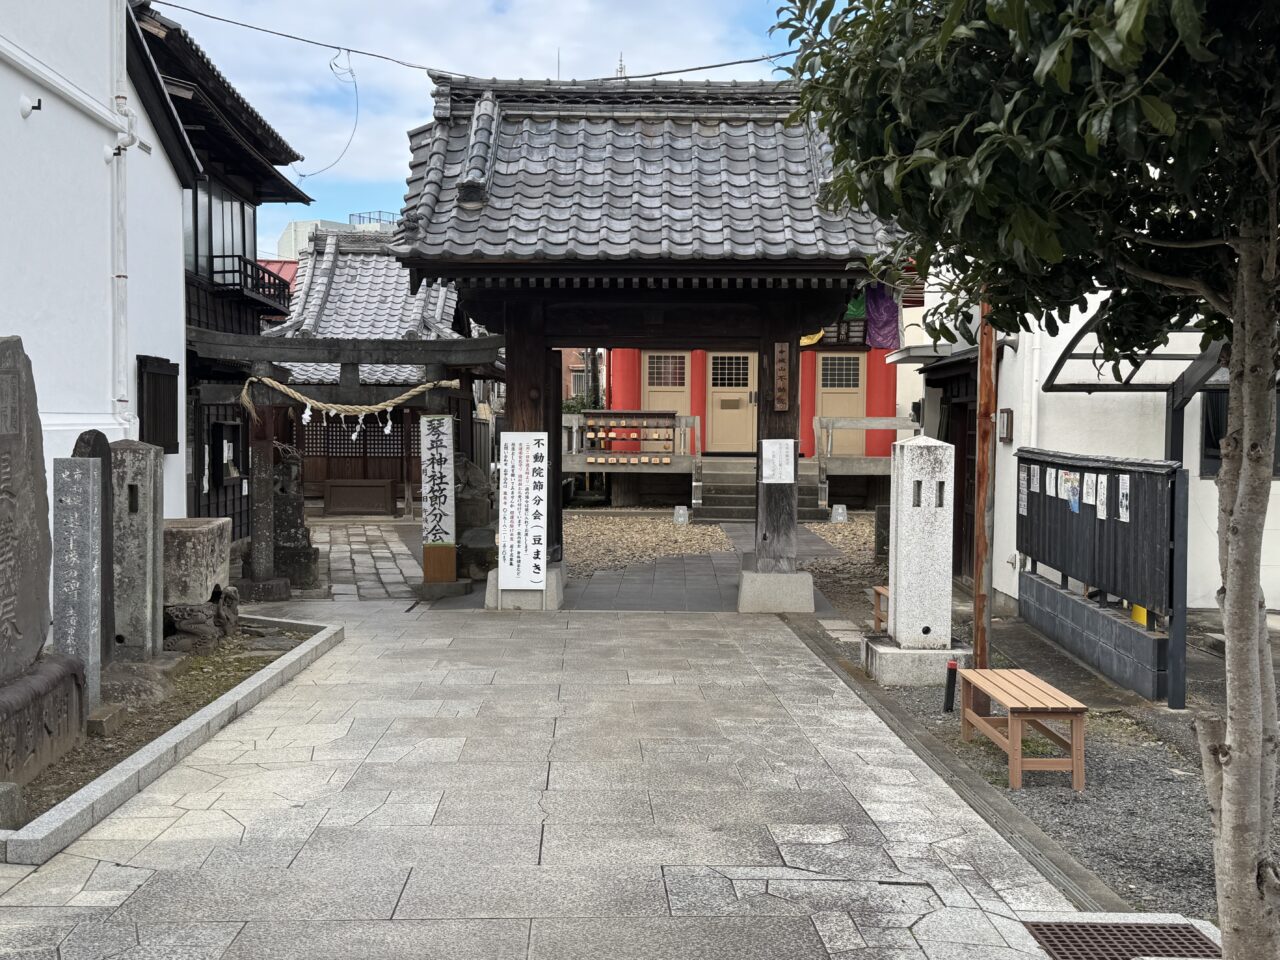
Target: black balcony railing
234,273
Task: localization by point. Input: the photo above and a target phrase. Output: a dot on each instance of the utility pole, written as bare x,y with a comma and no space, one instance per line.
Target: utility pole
984,494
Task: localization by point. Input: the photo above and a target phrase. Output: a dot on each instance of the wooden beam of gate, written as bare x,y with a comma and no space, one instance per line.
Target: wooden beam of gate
464,352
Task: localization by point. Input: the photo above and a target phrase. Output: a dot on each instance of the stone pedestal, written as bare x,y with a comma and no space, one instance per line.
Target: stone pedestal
77,567
921,520
773,592
550,599
42,716
137,480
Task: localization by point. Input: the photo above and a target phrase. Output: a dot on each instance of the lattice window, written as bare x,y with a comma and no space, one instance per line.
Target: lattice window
666,370
313,435
841,373
731,371
380,443
338,442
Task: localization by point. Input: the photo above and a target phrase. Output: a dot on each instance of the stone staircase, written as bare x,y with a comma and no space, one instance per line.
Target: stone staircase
729,491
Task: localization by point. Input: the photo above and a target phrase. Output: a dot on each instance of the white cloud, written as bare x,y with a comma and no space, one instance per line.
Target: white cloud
291,85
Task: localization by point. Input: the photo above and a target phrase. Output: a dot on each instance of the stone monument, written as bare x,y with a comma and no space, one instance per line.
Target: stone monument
921,519
137,480
295,557
77,567
94,445
42,708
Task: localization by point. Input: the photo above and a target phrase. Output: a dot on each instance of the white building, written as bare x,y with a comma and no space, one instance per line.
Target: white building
94,167
1130,424
295,238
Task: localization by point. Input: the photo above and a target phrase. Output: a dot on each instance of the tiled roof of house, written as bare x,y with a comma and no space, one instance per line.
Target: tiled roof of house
606,170
347,286
269,140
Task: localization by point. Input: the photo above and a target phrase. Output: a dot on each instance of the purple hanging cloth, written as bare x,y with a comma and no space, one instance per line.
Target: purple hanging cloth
882,317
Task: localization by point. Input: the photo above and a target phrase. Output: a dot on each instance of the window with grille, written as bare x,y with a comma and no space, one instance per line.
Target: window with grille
158,403
731,371
666,370
840,373
578,382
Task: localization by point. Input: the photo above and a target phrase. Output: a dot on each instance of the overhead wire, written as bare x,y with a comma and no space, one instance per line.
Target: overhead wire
422,66
339,71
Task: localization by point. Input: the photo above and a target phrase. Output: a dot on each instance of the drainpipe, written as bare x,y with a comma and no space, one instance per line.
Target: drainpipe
115,155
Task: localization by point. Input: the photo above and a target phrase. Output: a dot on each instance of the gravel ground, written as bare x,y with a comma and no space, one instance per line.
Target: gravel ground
1142,822
612,542
844,580
196,682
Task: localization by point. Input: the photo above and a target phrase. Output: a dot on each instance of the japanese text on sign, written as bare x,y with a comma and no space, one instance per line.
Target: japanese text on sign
523,502
439,527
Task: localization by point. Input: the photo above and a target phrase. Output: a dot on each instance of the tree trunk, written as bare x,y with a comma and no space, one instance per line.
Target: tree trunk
1239,751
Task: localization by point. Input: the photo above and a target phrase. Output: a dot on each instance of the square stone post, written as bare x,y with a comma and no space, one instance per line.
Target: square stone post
920,541
137,478
77,567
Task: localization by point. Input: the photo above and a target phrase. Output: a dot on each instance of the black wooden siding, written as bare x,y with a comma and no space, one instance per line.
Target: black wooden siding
1129,560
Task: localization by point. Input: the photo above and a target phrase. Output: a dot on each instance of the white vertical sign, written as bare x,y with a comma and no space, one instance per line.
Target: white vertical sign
439,510
523,501
777,461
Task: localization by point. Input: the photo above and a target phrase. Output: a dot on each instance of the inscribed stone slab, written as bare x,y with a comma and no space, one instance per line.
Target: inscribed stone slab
25,545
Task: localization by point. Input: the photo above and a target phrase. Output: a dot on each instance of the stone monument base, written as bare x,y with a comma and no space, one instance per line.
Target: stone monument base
42,716
775,592
893,666
550,599
437,591
261,591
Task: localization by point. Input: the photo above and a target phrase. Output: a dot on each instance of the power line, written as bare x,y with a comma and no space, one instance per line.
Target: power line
339,72
289,36
705,66
422,66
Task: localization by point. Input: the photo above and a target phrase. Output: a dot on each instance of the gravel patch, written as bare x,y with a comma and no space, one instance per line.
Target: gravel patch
612,542
1142,822
844,580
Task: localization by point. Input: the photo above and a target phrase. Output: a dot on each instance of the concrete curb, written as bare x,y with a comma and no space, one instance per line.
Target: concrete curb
54,829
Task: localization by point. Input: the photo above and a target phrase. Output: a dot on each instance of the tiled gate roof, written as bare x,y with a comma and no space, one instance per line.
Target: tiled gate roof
608,170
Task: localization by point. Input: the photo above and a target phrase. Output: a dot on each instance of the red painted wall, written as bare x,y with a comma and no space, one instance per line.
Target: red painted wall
808,401
698,391
882,401
624,375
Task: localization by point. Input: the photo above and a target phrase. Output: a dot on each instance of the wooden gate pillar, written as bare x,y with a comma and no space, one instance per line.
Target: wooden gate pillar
265,585
778,414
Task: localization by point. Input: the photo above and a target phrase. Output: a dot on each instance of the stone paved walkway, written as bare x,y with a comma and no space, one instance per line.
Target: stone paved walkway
365,560
459,784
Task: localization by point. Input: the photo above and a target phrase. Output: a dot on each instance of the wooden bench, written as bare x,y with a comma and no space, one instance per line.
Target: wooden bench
881,611
1031,701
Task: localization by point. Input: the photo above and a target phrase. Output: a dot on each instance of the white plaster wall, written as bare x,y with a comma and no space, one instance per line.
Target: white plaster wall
55,252
157,285
1121,425
910,379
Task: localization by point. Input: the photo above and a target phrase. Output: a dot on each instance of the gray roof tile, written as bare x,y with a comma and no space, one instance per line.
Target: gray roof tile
622,170
349,287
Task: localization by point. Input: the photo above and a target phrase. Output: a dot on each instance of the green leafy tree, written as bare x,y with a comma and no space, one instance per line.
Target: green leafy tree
1034,152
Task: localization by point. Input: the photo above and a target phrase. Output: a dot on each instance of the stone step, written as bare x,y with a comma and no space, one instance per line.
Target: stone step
718,489
748,514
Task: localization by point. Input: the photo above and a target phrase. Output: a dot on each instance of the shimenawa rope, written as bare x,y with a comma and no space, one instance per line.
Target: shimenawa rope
340,409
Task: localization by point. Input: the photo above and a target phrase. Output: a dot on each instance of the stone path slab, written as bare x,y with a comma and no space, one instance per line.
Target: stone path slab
540,785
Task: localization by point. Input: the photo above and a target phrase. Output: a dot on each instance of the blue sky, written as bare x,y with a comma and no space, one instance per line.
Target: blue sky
292,86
